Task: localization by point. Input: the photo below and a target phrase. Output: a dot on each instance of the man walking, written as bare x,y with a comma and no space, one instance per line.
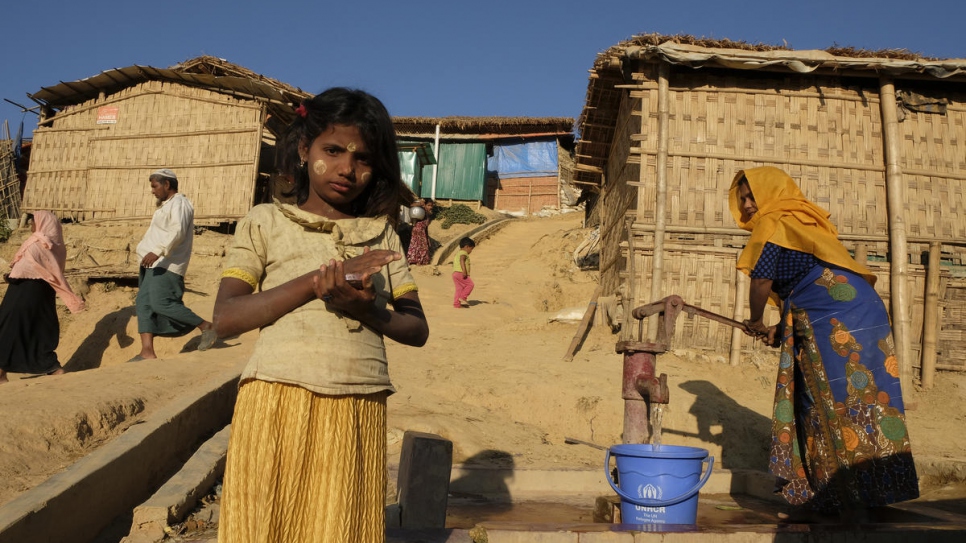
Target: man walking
164,253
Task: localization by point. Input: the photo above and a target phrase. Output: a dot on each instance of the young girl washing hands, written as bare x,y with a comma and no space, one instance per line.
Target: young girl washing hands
324,281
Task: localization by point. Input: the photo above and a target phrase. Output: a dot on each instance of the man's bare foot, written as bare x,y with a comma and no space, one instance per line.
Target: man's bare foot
58,371
208,336
140,357
3,377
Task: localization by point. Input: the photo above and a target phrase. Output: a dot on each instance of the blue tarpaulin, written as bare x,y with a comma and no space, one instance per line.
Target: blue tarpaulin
532,159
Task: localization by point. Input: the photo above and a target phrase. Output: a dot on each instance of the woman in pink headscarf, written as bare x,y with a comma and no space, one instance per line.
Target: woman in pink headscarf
29,327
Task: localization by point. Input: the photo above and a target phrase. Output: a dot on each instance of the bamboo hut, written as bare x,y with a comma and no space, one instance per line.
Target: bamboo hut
520,165
877,138
99,138
11,156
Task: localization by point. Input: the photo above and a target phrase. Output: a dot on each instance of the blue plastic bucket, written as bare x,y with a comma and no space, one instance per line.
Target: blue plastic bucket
658,485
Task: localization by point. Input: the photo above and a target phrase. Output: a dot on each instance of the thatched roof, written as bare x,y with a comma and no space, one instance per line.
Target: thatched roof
484,127
599,117
214,74
653,40
221,76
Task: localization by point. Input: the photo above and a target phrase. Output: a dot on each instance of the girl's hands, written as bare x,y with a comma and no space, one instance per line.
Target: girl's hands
347,285
370,262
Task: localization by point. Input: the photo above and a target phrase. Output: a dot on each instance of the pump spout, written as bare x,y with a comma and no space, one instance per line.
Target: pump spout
653,389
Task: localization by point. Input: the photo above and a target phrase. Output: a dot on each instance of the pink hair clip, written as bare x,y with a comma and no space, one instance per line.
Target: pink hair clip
301,110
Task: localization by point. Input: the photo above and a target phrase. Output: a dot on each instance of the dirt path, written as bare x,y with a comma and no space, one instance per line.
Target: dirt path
491,378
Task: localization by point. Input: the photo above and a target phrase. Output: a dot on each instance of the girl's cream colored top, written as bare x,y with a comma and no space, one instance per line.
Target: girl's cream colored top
314,346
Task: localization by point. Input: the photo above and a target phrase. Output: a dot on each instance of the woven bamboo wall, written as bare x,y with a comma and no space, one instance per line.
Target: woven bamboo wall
933,148
826,132
952,330
9,183
88,171
618,200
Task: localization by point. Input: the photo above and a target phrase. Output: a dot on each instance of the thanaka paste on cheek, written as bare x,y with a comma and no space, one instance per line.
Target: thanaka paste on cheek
319,166
365,176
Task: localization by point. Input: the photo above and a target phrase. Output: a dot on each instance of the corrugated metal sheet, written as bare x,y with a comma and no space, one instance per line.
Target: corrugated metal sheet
413,156
462,172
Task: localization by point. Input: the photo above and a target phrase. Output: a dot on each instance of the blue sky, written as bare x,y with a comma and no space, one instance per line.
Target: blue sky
432,58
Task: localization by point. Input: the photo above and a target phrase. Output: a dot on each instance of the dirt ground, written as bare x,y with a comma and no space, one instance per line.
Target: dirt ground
491,378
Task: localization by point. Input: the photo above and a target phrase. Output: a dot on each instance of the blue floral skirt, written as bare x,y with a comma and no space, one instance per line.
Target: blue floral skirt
839,437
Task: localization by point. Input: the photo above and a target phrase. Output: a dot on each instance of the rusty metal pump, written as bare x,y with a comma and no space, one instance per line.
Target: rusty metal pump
641,385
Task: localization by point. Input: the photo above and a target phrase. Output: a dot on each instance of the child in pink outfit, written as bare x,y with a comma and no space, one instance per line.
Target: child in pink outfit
461,273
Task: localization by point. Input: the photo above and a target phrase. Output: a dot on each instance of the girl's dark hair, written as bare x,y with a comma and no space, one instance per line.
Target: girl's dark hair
350,107
467,242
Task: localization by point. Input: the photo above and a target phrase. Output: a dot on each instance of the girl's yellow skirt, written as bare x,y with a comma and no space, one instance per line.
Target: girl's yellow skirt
304,467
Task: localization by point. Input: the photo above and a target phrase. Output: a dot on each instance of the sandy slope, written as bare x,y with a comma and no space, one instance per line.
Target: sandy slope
491,377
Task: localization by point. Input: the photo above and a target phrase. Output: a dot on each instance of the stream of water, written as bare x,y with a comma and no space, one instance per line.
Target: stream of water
657,415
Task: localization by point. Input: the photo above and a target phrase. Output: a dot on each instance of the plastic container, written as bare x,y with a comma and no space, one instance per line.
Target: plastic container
658,485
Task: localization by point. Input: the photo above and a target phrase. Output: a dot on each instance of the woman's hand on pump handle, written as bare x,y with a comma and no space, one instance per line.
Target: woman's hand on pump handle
758,330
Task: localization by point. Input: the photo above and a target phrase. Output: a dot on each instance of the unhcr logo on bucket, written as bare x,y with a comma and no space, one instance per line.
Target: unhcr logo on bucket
649,492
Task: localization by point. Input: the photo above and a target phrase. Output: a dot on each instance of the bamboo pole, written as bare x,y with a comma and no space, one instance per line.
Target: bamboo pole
257,150
631,281
872,238
767,159
187,134
861,253
660,205
173,166
741,297
436,165
895,196
559,184
529,197
930,317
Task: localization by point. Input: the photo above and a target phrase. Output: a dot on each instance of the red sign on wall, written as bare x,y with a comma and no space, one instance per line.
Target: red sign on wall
107,115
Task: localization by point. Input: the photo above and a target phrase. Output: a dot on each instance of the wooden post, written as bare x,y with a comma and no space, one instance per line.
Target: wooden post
930,316
632,294
529,196
899,265
559,184
660,205
257,146
425,467
582,328
861,253
741,298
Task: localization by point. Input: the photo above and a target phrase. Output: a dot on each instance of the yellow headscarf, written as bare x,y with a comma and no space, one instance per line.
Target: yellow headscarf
788,219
